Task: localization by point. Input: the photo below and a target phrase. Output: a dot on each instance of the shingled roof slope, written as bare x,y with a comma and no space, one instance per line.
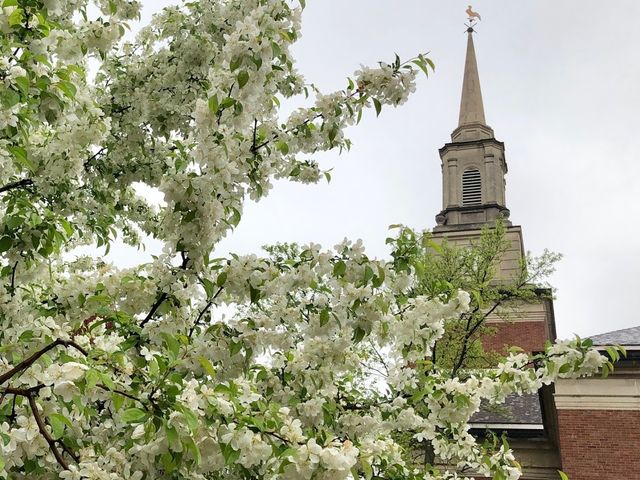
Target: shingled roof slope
517,410
627,336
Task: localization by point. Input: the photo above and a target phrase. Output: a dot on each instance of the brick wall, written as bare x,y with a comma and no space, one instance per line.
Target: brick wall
600,444
530,336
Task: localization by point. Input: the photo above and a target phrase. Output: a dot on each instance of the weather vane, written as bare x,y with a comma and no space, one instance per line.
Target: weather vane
472,18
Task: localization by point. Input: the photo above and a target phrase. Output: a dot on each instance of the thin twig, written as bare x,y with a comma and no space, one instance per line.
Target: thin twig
93,157
163,296
13,279
124,394
203,311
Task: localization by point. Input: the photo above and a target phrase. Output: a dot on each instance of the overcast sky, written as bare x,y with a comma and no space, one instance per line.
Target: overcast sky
561,87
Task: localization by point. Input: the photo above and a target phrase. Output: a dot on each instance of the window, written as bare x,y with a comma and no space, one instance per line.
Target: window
471,187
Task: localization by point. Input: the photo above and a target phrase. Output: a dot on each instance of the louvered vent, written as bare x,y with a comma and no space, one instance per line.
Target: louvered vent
471,187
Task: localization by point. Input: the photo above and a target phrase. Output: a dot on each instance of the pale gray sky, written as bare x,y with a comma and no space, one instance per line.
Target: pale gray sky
560,82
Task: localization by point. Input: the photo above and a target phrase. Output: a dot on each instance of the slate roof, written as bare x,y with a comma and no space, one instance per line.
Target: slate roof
517,409
627,336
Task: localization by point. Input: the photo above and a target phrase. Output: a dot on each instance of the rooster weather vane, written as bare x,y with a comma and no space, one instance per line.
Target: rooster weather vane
472,18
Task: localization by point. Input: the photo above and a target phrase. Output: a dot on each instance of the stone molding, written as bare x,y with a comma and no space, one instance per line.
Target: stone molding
598,394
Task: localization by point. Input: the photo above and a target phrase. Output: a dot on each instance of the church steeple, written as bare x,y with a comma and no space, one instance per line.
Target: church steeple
473,164
471,107
471,124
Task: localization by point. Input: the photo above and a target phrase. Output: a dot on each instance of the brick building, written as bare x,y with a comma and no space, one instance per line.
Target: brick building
589,428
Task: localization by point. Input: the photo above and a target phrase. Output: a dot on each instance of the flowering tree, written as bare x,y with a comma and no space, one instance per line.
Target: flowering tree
110,373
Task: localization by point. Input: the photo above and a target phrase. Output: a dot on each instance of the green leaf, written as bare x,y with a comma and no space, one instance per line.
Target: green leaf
368,274
234,347
68,88
134,415
20,154
563,475
67,227
5,244
358,334
378,105
213,104
228,453
192,419
194,450
15,18
422,66
235,218
172,344
106,379
282,146
228,102
207,366
324,317
235,63
222,279
243,78
58,422
565,368
118,401
339,269
209,287
10,98
379,279
254,294
91,379
613,354
172,436
333,132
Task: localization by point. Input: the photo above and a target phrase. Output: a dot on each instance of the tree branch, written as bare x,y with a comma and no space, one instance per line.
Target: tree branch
94,156
25,182
124,394
163,296
43,431
26,363
203,311
12,289
154,308
30,393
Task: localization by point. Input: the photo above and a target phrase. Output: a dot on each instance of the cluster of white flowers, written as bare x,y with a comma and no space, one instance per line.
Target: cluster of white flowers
323,357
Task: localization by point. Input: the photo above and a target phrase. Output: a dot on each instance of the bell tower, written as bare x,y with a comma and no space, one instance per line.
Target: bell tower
473,176
473,163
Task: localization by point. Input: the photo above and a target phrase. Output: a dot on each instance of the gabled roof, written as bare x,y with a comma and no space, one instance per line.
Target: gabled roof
626,337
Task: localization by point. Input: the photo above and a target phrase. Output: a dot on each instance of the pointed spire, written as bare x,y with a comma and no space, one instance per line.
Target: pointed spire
471,107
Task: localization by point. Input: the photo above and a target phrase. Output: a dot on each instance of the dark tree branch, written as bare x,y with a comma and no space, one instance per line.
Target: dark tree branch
13,279
279,437
27,362
221,110
124,394
163,296
203,311
93,157
25,182
154,308
43,431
